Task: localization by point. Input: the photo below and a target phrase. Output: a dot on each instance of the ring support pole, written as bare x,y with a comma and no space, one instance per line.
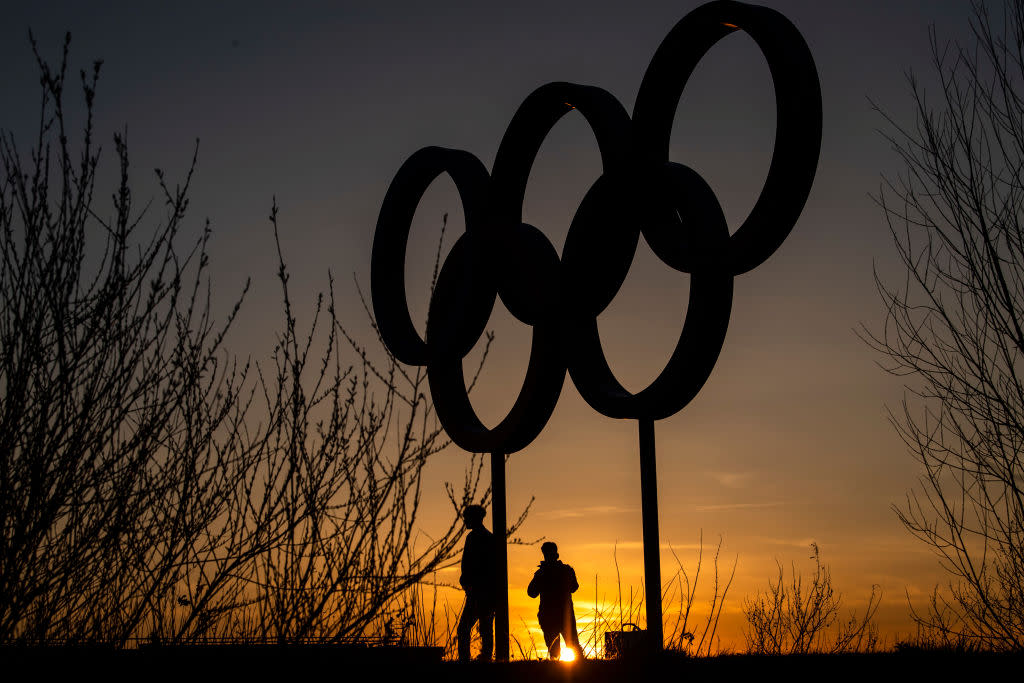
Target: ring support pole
501,644
652,551
561,295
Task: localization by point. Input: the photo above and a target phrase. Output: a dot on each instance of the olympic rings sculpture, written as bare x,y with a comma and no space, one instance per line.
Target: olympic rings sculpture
640,191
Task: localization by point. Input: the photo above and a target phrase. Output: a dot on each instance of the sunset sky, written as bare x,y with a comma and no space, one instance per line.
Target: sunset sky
319,104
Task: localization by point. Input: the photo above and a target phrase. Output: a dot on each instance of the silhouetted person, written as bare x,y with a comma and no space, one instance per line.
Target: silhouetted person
555,582
478,578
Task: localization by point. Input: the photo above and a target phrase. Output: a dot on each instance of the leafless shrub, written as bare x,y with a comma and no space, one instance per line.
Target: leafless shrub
528,651
678,600
680,592
614,616
797,618
941,631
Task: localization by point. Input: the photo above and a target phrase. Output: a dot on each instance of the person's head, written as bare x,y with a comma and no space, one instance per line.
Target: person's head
550,551
473,516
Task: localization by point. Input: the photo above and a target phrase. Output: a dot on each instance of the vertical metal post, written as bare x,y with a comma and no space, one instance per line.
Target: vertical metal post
501,644
652,546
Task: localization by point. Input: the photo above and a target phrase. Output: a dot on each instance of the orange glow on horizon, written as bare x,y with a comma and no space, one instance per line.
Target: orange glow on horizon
567,655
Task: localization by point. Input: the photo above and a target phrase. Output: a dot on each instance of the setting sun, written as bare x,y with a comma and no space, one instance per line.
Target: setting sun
567,655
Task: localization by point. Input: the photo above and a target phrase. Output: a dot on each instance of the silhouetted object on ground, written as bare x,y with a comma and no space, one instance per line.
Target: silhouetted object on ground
639,191
555,582
479,571
629,642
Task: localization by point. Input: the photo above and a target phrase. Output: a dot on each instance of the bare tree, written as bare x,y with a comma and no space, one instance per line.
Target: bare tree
112,385
797,618
955,322
350,444
151,485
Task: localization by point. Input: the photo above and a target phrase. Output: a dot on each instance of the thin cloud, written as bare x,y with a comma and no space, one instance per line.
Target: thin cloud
635,545
794,542
737,506
585,512
732,480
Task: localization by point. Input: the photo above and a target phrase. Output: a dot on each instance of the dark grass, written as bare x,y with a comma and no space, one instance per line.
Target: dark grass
377,665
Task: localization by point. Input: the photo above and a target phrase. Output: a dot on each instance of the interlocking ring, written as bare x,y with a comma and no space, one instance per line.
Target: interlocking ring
639,190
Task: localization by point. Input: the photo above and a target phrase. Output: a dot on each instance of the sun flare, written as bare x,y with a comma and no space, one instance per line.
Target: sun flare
567,655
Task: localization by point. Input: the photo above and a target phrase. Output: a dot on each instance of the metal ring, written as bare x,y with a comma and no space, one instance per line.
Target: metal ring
797,133
639,190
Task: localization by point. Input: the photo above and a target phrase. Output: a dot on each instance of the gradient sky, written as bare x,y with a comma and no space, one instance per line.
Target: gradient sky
320,103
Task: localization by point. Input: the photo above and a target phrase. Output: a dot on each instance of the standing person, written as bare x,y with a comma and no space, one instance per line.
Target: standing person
477,580
555,582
